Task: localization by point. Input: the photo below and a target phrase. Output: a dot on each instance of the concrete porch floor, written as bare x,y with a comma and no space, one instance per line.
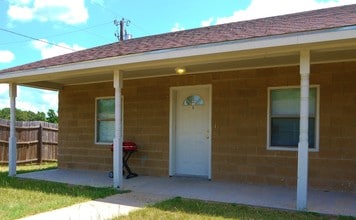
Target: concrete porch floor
336,203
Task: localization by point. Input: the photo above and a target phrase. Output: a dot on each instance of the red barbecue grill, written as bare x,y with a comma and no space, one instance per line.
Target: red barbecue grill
128,148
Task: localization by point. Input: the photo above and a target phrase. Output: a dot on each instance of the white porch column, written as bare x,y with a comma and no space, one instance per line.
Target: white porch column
117,159
12,138
302,182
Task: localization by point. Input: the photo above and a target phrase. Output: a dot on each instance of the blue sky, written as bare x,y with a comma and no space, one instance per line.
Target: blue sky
80,24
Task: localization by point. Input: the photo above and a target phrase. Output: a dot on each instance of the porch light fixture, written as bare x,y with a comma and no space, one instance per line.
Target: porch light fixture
180,70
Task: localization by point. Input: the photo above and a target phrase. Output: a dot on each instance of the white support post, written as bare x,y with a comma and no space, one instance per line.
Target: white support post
303,146
12,138
117,159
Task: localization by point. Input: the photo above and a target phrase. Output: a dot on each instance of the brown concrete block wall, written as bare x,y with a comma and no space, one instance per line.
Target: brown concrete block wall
146,119
239,122
333,167
77,149
240,128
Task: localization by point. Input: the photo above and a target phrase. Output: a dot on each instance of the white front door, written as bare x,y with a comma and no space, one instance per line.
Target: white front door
191,134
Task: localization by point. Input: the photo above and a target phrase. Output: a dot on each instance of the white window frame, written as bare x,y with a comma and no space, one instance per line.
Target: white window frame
269,147
96,118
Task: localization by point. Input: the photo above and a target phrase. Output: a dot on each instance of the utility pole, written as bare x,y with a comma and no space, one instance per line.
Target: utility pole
121,34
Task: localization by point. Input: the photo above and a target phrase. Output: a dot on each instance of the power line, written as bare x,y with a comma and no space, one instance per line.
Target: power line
114,13
61,34
14,42
67,33
84,30
36,39
143,30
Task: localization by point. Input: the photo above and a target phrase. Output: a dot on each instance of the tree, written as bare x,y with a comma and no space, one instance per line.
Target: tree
51,116
5,113
30,116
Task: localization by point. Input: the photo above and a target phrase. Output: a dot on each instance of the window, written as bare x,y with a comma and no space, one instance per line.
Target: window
193,100
283,118
105,120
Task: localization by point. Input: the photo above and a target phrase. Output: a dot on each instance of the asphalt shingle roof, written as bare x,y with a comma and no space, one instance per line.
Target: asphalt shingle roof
292,23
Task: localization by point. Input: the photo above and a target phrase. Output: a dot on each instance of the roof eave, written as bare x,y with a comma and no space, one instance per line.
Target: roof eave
301,39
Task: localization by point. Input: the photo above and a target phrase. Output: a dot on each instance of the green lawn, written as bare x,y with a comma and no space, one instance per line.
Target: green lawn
179,208
23,197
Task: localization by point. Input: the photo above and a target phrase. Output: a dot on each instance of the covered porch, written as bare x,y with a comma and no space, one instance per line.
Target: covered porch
334,203
282,51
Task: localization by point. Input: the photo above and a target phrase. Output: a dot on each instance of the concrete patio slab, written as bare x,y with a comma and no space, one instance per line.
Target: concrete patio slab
158,188
334,203
74,177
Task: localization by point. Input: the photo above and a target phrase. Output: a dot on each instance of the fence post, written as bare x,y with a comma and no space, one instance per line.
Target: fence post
39,144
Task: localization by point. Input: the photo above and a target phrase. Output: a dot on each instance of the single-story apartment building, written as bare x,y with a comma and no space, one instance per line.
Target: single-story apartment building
266,101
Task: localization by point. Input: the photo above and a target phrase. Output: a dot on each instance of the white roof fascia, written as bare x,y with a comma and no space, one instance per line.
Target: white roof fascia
295,39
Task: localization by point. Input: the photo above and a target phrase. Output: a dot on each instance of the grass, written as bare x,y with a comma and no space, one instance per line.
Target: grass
24,197
179,208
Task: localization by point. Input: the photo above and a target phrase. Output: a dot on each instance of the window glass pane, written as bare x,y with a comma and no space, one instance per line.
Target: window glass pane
106,109
287,101
311,133
105,120
105,131
285,132
312,101
285,107
193,100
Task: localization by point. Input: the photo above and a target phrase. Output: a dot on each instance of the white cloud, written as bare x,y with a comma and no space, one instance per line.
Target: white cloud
6,56
99,2
48,50
207,22
66,11
26,106
4,96
263,8
29,99
36,100
4,88
177,27
20,13
20,1
51,98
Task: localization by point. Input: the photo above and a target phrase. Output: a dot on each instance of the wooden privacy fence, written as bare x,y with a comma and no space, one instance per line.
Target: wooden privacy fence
36,141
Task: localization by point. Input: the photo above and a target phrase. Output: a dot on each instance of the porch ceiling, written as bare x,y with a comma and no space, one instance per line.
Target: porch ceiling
268,57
